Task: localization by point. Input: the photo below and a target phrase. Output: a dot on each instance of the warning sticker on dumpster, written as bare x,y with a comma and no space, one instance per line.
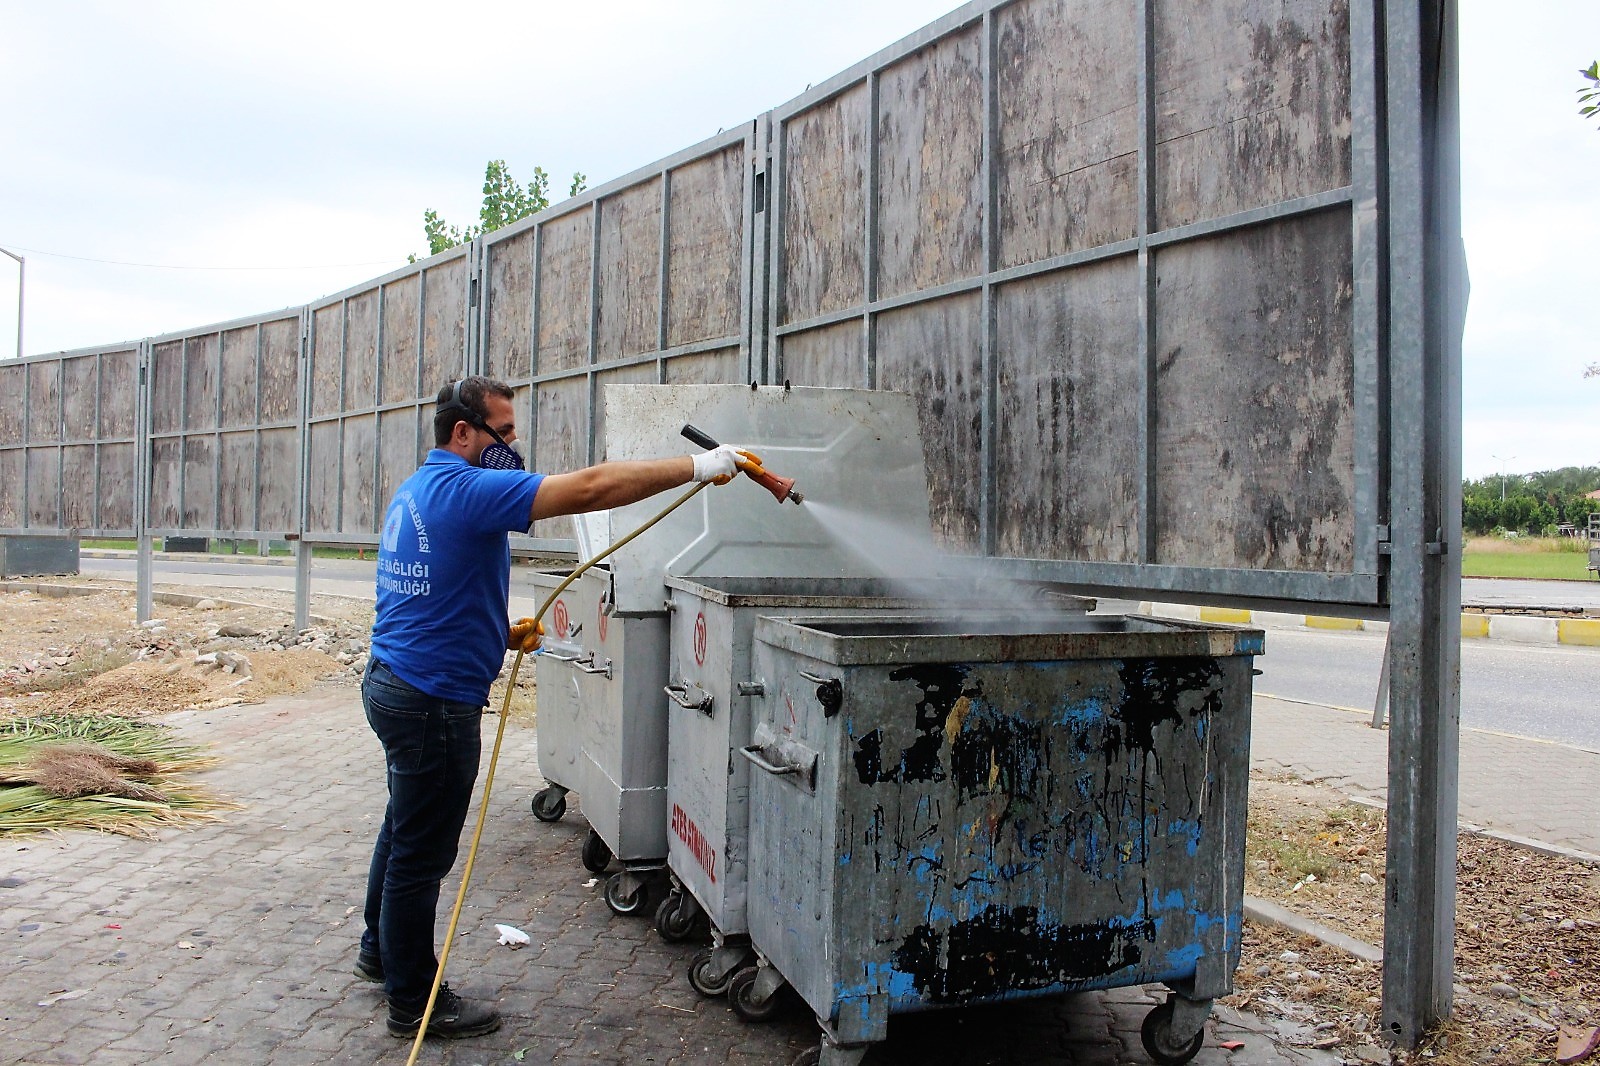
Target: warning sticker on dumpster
684,828
700,639
561,618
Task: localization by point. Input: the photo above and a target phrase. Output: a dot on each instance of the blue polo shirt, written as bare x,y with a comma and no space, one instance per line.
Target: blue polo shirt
444,575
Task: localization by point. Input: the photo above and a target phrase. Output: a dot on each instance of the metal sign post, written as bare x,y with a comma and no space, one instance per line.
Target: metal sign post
1426,305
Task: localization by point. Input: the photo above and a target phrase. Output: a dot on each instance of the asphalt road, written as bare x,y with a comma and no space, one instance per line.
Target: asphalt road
333,577
349,578
1545,691
1512,592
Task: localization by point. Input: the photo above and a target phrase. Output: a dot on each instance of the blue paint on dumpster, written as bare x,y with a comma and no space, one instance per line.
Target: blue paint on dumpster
999,814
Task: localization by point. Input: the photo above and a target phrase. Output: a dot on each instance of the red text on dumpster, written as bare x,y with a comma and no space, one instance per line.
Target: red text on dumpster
704,854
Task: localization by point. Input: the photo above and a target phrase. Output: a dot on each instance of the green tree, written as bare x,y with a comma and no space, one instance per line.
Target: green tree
1480,512
504,202
1531,501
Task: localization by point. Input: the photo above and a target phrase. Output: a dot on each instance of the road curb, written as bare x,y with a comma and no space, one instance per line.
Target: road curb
1475,625
1268,913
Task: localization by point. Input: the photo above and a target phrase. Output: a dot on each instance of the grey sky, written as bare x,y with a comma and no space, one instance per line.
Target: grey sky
311,136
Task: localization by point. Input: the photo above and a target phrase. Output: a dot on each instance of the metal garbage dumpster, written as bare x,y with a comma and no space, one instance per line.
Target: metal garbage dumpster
947,811
602,729
711,692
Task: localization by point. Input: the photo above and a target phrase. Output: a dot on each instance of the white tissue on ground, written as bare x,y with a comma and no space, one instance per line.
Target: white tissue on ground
511,935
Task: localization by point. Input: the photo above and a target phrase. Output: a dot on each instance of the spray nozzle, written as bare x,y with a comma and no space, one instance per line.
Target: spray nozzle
780,487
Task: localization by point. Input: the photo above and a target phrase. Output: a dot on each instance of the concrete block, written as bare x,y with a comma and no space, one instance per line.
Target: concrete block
1319,621
1579,631
1474,625
1182,611
1523,629
1276,620
1228,615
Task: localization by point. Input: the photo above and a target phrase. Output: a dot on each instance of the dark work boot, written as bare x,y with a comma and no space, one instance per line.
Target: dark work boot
369,967
452,1019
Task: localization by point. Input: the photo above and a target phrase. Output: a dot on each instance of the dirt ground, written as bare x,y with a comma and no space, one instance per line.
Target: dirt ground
1528,925
86,653
1527,935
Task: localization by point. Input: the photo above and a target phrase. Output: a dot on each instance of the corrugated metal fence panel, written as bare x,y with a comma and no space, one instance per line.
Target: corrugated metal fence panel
67,445
1022,214
13,456
1112,251
46,433
642,280
377,356
224,428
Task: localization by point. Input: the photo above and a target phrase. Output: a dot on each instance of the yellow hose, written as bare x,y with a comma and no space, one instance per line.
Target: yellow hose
494,758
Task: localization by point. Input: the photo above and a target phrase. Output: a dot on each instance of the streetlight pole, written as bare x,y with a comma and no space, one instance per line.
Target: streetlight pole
22,275
1503,463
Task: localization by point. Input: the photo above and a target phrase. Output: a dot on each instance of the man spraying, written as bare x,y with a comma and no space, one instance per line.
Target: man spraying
438,642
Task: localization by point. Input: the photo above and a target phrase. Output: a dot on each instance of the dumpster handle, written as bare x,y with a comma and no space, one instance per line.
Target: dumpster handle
559,658
830,693
806,773
586,664
679,694
751,753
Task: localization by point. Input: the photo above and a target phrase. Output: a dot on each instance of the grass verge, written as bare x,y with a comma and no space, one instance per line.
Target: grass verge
1535,558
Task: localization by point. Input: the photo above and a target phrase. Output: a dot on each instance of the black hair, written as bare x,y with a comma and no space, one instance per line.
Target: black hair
465,401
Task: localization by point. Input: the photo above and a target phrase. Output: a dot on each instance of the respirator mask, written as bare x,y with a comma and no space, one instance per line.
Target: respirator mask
499,455
496,456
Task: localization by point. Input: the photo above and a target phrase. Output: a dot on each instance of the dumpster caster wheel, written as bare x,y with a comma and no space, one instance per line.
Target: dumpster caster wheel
741,993
702,975
1156,1033
621,901
596,855
549,804
676,917
811,1056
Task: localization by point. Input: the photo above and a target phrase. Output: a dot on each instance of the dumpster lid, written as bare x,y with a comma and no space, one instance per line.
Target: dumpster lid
852,452
880,592
986,636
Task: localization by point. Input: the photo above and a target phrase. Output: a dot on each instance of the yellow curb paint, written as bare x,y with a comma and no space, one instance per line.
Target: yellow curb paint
1474,625
1317,621
1224,614
1579,631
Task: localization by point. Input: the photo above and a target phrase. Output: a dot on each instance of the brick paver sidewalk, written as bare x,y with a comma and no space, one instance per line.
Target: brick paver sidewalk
1530,789
232,943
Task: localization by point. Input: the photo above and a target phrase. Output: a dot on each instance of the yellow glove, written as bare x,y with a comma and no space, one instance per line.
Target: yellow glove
526,635
751,463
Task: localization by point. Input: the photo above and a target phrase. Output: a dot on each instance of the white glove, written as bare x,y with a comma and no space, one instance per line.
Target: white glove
719,464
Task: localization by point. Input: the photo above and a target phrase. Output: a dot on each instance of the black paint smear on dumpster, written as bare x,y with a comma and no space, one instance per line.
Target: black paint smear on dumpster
942,685
1155,693
1012,749
869,758
1001,950
1152,690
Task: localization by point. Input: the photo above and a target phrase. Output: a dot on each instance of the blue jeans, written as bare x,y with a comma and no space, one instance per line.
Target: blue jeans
431,747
